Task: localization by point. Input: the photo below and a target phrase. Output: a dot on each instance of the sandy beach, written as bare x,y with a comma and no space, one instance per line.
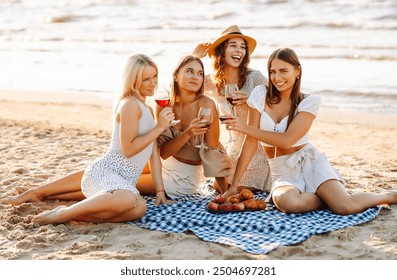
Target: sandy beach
46,136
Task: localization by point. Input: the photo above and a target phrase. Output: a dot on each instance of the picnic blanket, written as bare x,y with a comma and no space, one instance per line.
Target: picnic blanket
257,232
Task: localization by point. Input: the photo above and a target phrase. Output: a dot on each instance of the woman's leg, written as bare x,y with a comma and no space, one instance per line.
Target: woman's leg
335,195
289,199
145,184
66,188
118,206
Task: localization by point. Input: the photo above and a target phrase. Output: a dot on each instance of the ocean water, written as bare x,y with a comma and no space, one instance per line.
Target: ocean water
348,48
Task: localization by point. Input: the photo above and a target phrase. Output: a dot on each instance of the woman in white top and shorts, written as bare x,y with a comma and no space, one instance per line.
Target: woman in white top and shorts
280,118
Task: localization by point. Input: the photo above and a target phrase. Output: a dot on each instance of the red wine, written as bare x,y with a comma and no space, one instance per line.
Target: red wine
230,100
225,118
163,102
204,124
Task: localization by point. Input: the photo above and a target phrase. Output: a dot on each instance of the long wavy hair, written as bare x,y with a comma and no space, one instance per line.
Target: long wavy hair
219,63
175,90
273,95
132,74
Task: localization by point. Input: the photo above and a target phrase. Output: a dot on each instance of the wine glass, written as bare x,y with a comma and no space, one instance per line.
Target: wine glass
162,98
205,115
230,93
226,112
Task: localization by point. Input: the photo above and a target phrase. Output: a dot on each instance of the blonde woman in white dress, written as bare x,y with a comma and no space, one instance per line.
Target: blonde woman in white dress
107,189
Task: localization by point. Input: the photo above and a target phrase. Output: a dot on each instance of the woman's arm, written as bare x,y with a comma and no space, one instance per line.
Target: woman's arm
155,167
201,50
212,134
128,117
172,147
297,129
247,152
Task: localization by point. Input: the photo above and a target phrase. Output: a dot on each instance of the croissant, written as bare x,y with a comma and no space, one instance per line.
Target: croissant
250,204
233,198
261,204
246,194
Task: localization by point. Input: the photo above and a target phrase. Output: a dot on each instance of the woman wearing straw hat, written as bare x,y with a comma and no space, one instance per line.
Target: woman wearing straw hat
230,55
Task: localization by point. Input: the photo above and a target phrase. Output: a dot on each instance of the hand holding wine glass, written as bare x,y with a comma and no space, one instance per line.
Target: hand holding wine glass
230,94
206,116
226,112
162,98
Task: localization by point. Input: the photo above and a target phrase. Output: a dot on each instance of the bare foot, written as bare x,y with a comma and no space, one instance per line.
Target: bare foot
28,196
50,216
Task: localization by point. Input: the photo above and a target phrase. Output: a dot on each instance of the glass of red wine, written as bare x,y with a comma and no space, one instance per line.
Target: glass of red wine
225,112
230,94
205,115
162,98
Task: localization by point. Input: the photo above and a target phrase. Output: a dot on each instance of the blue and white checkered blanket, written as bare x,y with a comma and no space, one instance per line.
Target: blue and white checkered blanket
257,232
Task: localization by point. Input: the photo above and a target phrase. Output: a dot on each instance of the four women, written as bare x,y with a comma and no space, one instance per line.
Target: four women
279,116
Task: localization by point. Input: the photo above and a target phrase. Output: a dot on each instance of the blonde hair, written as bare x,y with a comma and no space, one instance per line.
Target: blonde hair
132,74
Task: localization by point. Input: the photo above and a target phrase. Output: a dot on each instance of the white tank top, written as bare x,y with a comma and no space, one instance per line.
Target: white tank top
146,123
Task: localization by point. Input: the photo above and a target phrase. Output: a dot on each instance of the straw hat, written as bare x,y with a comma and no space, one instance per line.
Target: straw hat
232,32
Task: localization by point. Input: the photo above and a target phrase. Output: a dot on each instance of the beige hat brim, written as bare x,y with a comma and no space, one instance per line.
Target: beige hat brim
251,43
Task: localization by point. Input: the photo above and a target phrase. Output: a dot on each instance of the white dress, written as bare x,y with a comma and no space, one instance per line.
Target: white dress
114,171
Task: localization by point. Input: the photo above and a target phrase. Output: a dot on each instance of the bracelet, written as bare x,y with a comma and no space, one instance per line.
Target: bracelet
160,191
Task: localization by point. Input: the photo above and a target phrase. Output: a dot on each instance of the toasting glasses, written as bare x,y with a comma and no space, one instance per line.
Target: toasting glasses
162,98
205,115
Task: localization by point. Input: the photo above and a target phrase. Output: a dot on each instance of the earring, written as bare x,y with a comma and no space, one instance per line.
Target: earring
297,77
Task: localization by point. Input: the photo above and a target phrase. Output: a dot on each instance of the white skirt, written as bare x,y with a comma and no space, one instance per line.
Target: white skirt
305,169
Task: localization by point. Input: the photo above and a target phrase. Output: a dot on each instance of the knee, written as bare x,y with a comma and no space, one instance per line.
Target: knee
288,206
126,201
346,209
136,212
141,209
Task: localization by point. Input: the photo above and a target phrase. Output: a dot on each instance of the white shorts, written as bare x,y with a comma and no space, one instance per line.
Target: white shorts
305,169
181,179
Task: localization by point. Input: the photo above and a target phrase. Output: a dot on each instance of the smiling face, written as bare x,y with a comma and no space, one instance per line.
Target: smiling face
283,75
149,81
236,49
190,77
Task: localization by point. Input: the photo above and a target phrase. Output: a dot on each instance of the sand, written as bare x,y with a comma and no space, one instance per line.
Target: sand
45,136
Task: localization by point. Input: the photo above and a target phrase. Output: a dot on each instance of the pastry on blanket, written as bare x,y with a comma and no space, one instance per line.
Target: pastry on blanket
234,198
252,189
246,194
250,204
261,204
